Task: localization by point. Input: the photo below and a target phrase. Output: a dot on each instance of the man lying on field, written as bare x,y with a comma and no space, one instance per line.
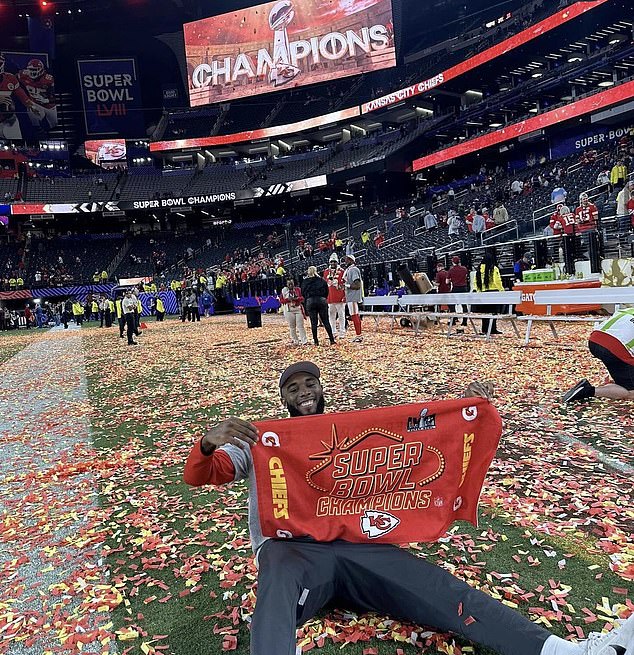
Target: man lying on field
298,577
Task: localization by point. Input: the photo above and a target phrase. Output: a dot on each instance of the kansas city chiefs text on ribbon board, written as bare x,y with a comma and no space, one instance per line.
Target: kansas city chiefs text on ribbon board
390,475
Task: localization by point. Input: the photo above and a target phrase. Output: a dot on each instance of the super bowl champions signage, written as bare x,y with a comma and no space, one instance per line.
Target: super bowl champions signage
206,200
286,43
388,475
111,94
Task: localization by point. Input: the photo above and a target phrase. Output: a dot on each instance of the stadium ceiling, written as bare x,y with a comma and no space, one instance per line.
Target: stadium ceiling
426,21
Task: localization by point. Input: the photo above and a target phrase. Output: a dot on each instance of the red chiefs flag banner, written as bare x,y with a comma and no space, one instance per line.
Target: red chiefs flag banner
390,475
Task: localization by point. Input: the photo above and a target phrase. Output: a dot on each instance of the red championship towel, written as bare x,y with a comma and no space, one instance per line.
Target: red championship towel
391,475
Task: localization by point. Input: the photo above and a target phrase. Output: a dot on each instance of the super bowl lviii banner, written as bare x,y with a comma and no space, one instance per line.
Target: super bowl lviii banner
111,94
286,43
28,108
390,475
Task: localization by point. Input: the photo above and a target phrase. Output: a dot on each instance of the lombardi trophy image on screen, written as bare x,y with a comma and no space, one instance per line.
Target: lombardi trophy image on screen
280,17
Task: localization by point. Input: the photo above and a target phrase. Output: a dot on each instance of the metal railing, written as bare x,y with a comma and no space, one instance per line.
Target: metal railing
575,167
456,196
499,230
546,211
451,247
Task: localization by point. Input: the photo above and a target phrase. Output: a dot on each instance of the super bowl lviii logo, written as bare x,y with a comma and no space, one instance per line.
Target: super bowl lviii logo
374,474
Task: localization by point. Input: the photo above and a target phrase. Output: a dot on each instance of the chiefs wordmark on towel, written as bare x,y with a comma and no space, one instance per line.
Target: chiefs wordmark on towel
391,475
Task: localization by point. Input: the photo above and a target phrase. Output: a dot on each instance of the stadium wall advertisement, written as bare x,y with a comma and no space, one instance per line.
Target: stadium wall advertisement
111,95
487,55
28,108
167,203
587,105
568,144
284,44
251,135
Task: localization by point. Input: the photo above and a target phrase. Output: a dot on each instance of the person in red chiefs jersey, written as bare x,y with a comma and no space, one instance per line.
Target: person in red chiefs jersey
298,577
556,224
586,215
336,295
40,87
563,221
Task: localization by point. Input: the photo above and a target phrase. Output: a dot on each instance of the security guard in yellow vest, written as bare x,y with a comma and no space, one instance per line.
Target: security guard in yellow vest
120,316
104,276
138,313
12,283
96,278
78,312
20,283
94,310
160,309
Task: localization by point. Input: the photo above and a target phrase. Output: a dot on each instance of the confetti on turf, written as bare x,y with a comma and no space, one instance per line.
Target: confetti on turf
169,550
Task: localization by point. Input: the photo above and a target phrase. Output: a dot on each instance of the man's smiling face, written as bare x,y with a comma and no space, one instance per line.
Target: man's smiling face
303,395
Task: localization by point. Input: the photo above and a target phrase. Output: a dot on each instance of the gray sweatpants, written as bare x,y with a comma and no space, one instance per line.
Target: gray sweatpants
298,578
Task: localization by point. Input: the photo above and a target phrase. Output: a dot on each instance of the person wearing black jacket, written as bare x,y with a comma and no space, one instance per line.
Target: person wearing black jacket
315,292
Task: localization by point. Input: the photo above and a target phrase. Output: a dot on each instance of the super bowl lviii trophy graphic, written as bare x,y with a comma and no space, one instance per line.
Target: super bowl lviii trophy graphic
280,18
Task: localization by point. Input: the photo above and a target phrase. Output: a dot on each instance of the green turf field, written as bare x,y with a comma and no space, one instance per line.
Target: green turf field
552,516
103,544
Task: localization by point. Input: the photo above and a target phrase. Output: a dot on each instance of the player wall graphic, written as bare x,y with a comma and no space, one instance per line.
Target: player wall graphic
286,43
28,107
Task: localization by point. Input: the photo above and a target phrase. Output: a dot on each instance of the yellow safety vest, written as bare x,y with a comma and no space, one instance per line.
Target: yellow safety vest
119,308
159,306
94,307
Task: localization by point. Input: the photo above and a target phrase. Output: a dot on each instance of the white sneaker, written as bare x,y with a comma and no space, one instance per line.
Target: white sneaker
358,339
619,641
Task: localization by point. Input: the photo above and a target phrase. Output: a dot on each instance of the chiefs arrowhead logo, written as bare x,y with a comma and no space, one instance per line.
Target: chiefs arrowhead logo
375,524
271,439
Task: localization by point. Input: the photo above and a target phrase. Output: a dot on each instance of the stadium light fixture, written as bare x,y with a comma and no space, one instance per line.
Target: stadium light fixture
536,74
606,83
495,125
574,58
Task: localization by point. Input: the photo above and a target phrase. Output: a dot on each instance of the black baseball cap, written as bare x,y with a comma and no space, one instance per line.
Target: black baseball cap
299,367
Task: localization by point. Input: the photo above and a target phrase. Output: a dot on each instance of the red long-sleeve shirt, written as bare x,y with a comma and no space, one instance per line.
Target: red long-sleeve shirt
201,469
